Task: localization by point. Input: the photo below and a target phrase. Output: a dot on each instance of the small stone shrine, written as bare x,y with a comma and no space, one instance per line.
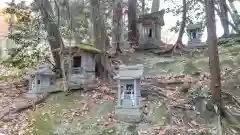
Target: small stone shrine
42,80
194,36
150,30
83,65
128,102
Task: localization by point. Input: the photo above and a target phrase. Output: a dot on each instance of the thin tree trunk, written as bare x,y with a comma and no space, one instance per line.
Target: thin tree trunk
132,22
155,6
54,36
143,7
224,17
183,23
117,25
156,28
61,55
100,40
219,14
12,17
213,53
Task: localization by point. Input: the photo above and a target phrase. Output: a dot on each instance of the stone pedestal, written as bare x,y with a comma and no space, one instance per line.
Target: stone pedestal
148,43
129,114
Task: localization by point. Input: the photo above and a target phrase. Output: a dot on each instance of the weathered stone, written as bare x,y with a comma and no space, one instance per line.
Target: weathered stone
42,80
83,69
194,35
149,30
128,103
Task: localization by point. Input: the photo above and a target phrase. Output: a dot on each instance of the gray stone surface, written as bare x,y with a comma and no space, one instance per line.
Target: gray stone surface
130,72
42,80
131,114
147,43
150,30
128,109
194,36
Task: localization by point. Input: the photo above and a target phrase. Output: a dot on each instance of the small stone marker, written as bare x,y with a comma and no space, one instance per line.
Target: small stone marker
128,102
42,80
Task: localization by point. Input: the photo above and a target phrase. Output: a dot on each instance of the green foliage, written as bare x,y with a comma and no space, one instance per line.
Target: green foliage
26,35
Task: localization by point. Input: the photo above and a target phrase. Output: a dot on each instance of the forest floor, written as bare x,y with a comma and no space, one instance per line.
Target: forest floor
169,111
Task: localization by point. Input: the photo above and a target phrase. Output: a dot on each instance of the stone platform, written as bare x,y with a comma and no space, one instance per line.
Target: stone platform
129,114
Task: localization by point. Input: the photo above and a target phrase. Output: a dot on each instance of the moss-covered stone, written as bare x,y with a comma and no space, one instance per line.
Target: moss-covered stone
89,48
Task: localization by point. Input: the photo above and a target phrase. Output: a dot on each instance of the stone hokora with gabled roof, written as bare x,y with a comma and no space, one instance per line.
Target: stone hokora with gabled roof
83,64
129,72
42,80
128,101
150,30
194,35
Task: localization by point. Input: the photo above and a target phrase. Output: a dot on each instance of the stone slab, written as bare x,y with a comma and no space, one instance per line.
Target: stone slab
131,115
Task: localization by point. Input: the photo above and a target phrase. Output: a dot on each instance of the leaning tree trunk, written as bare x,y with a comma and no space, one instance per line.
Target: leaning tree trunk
213,53
117,25
179,43
132,22
224,17
51,27
236,17
100,36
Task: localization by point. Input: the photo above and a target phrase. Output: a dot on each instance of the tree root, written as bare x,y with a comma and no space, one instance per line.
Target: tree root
229,97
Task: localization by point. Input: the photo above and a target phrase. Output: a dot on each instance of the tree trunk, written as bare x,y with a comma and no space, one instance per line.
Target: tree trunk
155,6
117,25
234,10
219,14
235,16
213,53
143,7
157,28
102,64
224,17
132,22
54,36
183,24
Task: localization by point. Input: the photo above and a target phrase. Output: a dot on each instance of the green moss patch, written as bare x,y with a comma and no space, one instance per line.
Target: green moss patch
89,48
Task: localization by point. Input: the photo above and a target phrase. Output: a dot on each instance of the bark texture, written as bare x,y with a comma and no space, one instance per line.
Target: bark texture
213,53
183,23
132,22
51,27
224,17
100,40
157,28
117,25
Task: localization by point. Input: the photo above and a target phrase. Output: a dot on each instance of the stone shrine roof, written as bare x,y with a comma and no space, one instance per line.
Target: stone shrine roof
193,26
130,72
43,70
156,17
89,48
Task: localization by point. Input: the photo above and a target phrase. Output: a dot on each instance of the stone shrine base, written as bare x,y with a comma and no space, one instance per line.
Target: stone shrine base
128,114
